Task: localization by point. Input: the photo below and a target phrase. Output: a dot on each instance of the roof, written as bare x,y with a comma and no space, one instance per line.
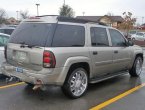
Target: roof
97,18
116,18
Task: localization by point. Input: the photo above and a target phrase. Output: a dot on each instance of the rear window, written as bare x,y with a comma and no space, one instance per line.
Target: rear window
6,31
35,34
140,34
69,36
9,31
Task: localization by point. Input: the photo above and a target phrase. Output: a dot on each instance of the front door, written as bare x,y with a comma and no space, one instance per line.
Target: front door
121,52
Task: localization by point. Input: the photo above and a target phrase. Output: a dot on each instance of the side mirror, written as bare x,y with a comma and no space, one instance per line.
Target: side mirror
130,43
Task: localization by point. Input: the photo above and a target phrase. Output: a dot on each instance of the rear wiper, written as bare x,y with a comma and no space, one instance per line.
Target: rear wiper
33,46
22,44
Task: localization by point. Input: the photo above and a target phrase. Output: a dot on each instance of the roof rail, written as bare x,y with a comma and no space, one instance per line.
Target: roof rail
77,20
47,15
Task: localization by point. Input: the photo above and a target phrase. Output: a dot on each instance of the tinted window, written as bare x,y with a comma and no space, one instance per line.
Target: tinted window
117,38
3,40
99,36
69,36
2,31
35,34
9,31
140,34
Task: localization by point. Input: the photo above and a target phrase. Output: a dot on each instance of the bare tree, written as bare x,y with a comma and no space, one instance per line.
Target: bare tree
2,16
66,11
128,22
24,14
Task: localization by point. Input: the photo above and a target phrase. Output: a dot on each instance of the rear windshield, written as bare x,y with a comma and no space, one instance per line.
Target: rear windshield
35,34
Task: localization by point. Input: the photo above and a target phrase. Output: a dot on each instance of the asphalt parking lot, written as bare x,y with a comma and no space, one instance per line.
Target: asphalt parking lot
120,93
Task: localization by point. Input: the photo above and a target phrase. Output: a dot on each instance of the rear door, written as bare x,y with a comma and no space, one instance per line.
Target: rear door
121,52
27,44
100,51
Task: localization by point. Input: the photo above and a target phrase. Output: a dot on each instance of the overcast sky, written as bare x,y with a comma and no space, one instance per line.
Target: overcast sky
90,7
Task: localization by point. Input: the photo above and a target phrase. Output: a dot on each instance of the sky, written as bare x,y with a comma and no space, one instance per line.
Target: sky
90,7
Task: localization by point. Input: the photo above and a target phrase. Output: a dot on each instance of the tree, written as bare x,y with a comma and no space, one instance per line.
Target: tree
24,14
66,11
2,16
128,22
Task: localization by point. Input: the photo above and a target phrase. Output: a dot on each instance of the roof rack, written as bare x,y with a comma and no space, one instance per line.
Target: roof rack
74,20
47,15
77,20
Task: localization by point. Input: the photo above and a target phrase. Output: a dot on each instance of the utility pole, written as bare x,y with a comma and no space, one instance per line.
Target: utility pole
83,13
64,2
17,14
37,9
142,20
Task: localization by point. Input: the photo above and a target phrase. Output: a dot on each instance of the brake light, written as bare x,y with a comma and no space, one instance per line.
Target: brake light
5,52
48,59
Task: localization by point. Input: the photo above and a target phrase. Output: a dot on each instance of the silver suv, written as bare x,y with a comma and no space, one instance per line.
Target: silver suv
69,52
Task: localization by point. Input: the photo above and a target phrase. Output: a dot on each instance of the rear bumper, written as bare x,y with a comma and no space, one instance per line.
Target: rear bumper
54,76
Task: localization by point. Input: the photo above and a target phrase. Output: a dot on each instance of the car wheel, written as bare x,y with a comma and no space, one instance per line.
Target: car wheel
29,84
76,83
137,67
133,38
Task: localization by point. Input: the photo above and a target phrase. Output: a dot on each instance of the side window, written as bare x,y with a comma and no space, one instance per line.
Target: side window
117,38
3,40
69,36
99,36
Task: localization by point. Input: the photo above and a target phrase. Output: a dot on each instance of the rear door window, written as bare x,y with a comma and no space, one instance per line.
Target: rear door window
69,36
35,34
99,37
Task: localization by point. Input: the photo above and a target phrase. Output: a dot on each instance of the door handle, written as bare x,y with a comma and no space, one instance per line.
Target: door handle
95,52
116,51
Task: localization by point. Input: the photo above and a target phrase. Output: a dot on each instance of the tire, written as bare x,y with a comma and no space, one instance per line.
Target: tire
29,84
133,39
137,67
76,83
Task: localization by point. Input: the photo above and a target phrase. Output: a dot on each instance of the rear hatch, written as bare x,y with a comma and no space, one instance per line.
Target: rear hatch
27,43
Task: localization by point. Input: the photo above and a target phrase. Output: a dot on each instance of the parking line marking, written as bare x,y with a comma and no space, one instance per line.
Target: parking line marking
110,101
11,85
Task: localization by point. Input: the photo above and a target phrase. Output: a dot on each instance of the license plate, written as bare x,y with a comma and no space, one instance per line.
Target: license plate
19,70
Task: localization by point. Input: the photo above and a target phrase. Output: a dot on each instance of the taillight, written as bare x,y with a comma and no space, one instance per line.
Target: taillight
48,59
5,52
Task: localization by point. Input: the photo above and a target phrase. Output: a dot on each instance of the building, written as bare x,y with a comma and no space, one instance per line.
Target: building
113,21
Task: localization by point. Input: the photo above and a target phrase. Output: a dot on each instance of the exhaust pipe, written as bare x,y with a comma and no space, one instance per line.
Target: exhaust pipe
38,85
